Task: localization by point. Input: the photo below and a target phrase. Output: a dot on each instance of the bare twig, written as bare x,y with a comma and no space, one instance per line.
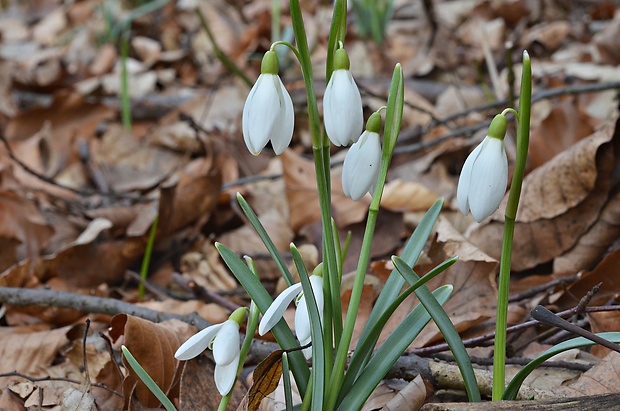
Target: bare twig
541,288
476,341
569,365
89,304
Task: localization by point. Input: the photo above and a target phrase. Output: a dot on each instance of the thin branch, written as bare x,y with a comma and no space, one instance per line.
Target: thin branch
476,341
88,304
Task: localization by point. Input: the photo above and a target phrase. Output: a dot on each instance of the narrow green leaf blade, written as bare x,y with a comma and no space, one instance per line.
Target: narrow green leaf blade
147,380
447,329
389,352
395,282
318,351
264,236
513,387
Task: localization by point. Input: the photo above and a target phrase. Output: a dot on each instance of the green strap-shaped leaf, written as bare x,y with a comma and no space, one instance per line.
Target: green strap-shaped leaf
389,352
262,233
446,327
517,380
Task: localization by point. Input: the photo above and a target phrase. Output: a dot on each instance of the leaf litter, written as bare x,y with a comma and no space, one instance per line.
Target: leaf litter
79,192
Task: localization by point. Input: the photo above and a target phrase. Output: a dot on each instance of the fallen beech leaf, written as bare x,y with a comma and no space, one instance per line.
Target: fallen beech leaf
29,349
266,378
559,202
303,199
399,195
605,273
603,378
23,230
595,241
412,397
564,125
154,346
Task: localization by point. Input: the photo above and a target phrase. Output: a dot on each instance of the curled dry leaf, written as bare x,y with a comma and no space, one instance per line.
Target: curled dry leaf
266,379
154,346
560,201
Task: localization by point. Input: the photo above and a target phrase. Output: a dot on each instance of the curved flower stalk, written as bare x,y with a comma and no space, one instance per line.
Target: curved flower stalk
223,339
302,320
361,164
342,103
484,176
268,111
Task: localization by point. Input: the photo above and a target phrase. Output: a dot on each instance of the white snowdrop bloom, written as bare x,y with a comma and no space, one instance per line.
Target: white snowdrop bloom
361,164
342,104
223,339
268,111
302,319
482,183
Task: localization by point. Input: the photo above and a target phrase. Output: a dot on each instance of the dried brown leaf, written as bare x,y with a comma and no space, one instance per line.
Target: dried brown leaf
302,195
266,378
153,345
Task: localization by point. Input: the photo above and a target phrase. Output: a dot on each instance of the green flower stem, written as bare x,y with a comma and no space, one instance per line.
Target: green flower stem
337,33
320,148
523,137
247,341
146,260
392,127
125,97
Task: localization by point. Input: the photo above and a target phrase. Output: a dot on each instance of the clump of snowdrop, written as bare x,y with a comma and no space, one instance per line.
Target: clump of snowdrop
361,164
342,103
268,111
302,318
484,176
224,340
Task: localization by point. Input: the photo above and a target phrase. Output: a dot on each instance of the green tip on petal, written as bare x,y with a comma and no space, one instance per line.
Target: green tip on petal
238,315
341,60
498,127
270,63
374,123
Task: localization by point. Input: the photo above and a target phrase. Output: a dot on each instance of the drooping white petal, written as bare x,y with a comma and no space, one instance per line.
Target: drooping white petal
342,109
261,112
302,320
276,309
317,288
462,191
225,375
488,179
283,131
226,344
361,165
197,343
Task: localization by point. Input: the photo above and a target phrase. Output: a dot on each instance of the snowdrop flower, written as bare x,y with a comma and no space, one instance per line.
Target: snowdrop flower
361,164
223,339
342,103
268,110
485,173
302,319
